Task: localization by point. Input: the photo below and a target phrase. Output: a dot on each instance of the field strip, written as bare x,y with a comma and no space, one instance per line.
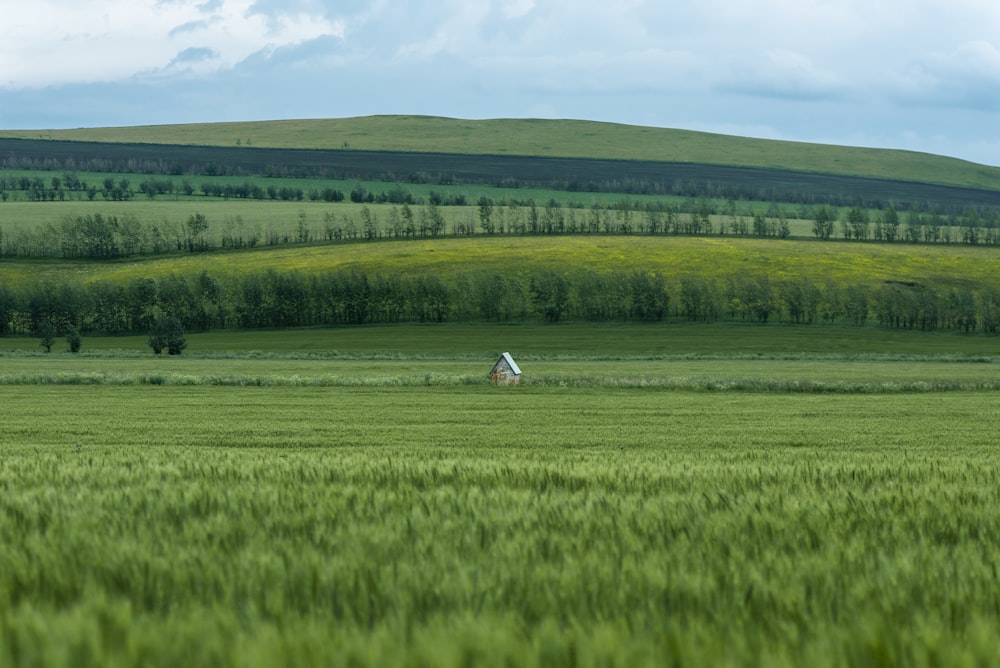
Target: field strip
710,374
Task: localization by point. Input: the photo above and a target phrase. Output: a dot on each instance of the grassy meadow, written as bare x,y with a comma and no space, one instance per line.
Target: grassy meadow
682,356
583,341
674,257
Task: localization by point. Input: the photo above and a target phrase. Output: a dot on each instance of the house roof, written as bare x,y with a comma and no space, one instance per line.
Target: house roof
510,362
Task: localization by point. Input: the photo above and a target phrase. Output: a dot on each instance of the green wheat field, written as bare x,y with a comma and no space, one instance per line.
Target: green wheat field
300,498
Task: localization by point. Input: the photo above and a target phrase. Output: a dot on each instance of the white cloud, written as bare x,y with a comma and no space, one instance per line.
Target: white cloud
515,9
785,74
52,42
453,35
966,76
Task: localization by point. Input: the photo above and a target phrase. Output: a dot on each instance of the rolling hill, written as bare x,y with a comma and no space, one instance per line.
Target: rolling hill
547,139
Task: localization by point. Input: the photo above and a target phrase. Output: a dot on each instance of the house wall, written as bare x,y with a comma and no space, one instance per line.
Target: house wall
502,374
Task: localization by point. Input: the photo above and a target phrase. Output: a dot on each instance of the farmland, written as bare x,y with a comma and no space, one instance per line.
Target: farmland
366,526
364,497
725,450
572,174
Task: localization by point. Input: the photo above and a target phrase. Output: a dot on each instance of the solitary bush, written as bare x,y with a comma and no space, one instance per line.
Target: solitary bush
74,340
47,332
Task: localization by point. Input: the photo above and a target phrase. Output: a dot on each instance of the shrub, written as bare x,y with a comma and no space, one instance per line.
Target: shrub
74,340
47,331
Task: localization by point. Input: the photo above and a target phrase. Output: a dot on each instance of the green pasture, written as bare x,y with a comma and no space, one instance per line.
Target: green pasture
563,138
714,258
530,526
683,357
576,340
799,375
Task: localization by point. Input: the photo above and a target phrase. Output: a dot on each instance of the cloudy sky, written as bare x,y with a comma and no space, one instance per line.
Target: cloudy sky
914,74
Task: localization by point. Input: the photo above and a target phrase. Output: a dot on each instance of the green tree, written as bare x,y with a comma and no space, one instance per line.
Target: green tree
857,220
197,225
8,306
490,289
395,223
534,224
302,231
74,340
758,297
890,224
435,220
550,295
141,299
47,332
486,214
654,219
409,228
856,303
648,298
783,231
988,309
801,299
167,333
914,223
823,221
699,298
369,223
961,309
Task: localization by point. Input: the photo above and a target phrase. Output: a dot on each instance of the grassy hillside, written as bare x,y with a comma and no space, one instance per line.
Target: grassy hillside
551,138
674,257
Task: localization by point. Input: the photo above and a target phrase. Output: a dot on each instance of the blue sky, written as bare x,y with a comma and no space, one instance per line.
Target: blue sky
912,74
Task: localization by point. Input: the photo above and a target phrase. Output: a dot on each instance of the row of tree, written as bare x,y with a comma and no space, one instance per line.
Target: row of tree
293,299
160,163
69,185
100,236
166,333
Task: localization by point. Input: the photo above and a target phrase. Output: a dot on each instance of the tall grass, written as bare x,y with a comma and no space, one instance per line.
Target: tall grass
454,526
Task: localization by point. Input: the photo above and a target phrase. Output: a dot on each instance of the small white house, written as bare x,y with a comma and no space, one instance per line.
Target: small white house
506,371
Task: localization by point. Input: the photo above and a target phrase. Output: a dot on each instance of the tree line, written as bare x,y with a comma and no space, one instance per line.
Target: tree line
109,236
69,185
269,299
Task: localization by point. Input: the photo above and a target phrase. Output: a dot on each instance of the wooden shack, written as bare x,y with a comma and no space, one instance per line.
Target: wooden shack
506,371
